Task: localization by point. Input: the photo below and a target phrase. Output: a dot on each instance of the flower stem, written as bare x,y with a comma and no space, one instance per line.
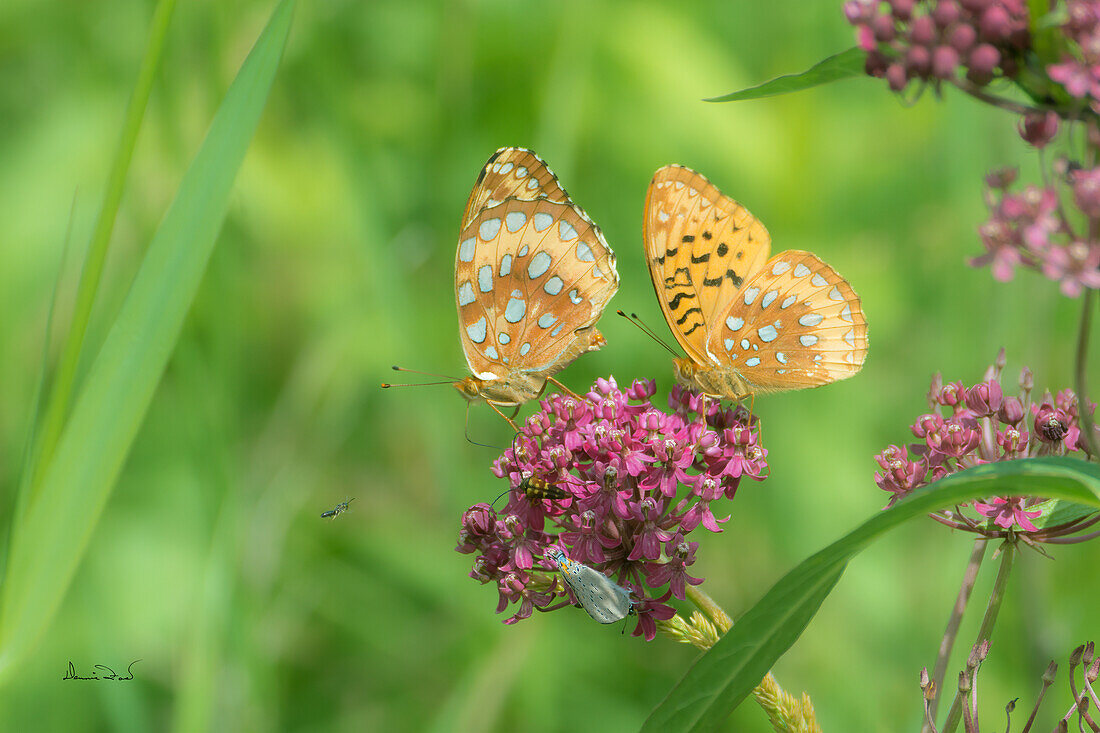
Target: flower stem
952,630
1082,359
786,713
1008,555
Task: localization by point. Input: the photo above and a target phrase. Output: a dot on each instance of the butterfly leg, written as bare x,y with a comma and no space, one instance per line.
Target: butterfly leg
506,418
563,388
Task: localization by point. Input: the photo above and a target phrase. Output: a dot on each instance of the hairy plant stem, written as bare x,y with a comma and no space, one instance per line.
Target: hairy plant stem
1082,387
952,630
1008,555
786,713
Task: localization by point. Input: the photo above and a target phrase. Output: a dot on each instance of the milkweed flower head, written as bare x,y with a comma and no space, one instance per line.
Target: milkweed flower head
638,480
972,425
940,39
1029,229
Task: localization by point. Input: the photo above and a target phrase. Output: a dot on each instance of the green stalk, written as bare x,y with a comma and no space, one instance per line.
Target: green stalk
1081,386
953,623
60,397
1008,555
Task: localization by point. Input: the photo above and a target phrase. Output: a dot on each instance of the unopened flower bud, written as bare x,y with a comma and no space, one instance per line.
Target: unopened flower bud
962,38
985,398
883,28
983,61
1086,191
1002,178
902,9
923,31
895,76
944,62
946,13
918,60
1027,380
995,24
1039,128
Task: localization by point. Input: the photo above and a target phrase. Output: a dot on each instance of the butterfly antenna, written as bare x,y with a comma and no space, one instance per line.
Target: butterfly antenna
633,318
417,371
449,380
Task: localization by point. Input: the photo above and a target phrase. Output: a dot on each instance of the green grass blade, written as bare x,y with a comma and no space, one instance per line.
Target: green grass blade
111,404
839,66
23,494
726,674
57,406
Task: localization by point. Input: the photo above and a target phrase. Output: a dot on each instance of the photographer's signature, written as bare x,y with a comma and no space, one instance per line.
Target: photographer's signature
102,672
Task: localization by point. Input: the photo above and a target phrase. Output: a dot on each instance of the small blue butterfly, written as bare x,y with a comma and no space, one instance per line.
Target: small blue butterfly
605,600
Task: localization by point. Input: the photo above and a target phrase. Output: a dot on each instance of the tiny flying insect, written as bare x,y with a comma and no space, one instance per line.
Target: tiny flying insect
605,600
338,509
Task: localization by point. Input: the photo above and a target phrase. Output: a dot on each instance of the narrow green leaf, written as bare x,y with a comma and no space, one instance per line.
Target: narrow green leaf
34,423
726,674
112,403
57,404
841,66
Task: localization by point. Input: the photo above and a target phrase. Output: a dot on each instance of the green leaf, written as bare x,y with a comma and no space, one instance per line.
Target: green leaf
1056,512
109,409
726,674
57,404
841,66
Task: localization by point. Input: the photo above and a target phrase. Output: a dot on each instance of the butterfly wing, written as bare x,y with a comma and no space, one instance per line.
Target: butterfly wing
701,246
796,324
513,173
530,278
605,600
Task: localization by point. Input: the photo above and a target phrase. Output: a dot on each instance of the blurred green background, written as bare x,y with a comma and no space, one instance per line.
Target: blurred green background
211,564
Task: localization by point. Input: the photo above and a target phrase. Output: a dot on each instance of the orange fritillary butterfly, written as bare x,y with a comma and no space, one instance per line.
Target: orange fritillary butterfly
532,276
748,323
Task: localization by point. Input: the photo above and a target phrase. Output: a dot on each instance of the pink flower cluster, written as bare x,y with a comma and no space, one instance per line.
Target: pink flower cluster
906,40
969,426
637,481
1030,229
1079,68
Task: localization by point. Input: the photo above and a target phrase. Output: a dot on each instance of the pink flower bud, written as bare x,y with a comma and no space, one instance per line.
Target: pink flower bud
983,61
1001,179
918,60
1086,191
986,398
962,38
944,62
1039,128
946,13
875,64
995,24
895,76
902,9
865,38
1011,411
923,31
883,27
